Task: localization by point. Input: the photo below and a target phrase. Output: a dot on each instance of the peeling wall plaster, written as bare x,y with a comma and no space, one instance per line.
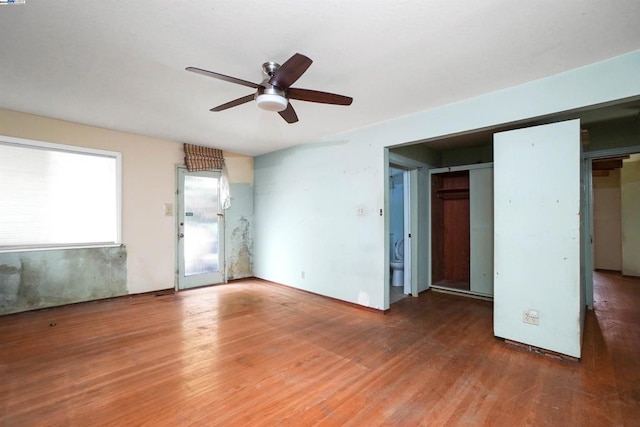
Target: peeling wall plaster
38,279
241,260
239,232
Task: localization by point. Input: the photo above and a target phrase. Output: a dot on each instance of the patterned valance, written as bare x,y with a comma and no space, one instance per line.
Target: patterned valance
198,158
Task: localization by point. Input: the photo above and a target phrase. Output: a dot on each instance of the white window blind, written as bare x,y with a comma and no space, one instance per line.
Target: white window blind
57,195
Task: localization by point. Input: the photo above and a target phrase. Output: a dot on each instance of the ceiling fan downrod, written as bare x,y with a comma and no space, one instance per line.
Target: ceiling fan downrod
269,68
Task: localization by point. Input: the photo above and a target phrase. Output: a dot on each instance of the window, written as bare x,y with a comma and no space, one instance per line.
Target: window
57,195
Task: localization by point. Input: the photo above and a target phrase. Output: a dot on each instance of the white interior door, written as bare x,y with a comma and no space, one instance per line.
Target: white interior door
200,229
537,289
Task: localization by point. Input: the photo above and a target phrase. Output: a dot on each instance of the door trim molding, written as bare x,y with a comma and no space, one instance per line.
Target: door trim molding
413,167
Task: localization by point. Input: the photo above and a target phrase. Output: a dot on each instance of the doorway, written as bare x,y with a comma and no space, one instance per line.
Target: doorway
613,200
200,229
462,229
450,231
399,233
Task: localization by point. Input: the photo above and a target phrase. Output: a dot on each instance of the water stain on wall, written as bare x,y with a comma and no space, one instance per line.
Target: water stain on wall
239,232
38,279
241,259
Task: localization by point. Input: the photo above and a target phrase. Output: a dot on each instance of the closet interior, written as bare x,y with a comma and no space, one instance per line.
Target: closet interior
450,265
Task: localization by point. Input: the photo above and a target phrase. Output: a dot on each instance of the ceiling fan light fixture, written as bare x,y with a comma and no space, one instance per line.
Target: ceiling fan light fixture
272,102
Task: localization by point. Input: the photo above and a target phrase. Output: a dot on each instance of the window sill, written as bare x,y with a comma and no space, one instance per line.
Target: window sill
57,248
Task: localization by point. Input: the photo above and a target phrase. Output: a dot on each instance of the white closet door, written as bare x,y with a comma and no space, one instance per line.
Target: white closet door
481,226
537,236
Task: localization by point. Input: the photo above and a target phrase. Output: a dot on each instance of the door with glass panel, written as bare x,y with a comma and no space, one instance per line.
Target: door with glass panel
200,229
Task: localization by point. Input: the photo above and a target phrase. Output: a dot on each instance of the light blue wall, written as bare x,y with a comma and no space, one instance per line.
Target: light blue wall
317,221
614,134
468,156
307,198
420,153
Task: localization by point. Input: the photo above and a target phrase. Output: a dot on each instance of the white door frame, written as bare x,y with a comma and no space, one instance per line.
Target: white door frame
406,210
413,168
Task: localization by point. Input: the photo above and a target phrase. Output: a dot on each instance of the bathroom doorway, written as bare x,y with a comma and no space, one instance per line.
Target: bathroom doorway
399,233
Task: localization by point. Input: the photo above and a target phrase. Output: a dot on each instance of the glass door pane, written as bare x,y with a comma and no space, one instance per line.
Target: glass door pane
200,224
200,229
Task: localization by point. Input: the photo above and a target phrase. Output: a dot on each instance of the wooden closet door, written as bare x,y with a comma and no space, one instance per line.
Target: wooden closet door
450,229
456,240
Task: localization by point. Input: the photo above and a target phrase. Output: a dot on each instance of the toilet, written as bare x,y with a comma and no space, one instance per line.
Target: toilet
397,264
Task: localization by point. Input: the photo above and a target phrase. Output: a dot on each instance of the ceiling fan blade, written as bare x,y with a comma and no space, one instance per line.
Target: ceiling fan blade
290,71
289,114
233,103
317,96
222,77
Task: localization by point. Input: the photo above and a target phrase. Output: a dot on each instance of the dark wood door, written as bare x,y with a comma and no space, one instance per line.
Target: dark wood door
450,229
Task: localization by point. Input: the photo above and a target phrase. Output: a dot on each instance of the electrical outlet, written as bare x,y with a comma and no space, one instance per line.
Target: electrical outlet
532,317
302,274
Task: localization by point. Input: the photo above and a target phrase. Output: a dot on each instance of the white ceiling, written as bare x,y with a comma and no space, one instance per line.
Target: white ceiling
120,64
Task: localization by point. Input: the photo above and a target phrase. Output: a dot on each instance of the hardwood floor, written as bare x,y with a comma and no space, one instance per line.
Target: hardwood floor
251,353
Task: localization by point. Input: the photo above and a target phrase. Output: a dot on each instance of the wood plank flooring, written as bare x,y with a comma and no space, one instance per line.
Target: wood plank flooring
252,353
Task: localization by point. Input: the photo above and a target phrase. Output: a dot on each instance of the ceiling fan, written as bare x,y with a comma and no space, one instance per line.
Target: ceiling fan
275,91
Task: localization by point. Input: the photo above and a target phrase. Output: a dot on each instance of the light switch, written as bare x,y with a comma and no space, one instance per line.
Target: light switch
168,209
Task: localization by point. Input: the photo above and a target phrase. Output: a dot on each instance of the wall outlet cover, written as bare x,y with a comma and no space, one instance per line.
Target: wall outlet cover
532,317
